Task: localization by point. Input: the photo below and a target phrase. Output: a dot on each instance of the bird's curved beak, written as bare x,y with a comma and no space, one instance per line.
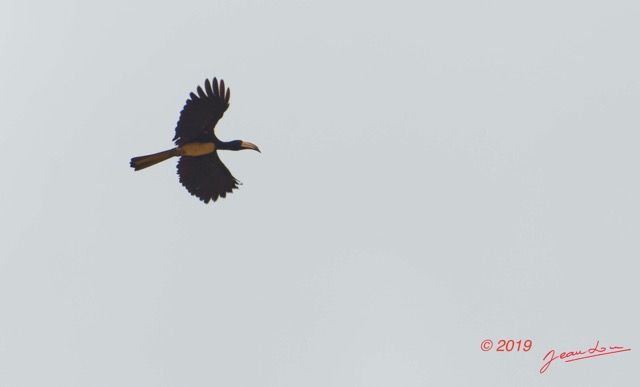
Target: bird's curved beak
248,145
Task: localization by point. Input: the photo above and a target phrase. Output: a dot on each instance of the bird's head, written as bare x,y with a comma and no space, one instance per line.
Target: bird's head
240,145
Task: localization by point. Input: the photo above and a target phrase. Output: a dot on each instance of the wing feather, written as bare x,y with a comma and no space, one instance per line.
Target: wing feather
206,177
201,93
207,86
200,114
216,91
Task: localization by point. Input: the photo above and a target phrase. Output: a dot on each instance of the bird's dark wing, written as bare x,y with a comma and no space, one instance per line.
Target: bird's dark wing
201,113
206,177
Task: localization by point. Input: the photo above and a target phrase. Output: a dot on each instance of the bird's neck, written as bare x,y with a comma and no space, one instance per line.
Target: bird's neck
230,145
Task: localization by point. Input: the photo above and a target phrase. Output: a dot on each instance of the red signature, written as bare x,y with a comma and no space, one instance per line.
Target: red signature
591,352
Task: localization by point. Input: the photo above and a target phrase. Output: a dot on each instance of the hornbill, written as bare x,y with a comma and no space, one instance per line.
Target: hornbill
200,169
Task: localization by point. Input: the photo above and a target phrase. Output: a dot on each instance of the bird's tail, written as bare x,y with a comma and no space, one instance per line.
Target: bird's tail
143,162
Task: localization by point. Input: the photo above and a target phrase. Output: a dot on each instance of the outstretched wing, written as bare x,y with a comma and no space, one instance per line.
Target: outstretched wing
201,113
206,177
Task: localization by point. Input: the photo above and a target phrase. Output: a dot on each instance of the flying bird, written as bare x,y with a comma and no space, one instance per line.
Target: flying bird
200,169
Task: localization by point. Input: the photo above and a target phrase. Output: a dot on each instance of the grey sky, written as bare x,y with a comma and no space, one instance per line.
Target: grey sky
433,174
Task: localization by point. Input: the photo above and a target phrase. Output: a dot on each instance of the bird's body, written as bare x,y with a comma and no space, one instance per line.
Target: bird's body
197,149
200,169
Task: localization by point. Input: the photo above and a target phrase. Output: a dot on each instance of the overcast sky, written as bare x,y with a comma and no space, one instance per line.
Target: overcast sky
433,174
